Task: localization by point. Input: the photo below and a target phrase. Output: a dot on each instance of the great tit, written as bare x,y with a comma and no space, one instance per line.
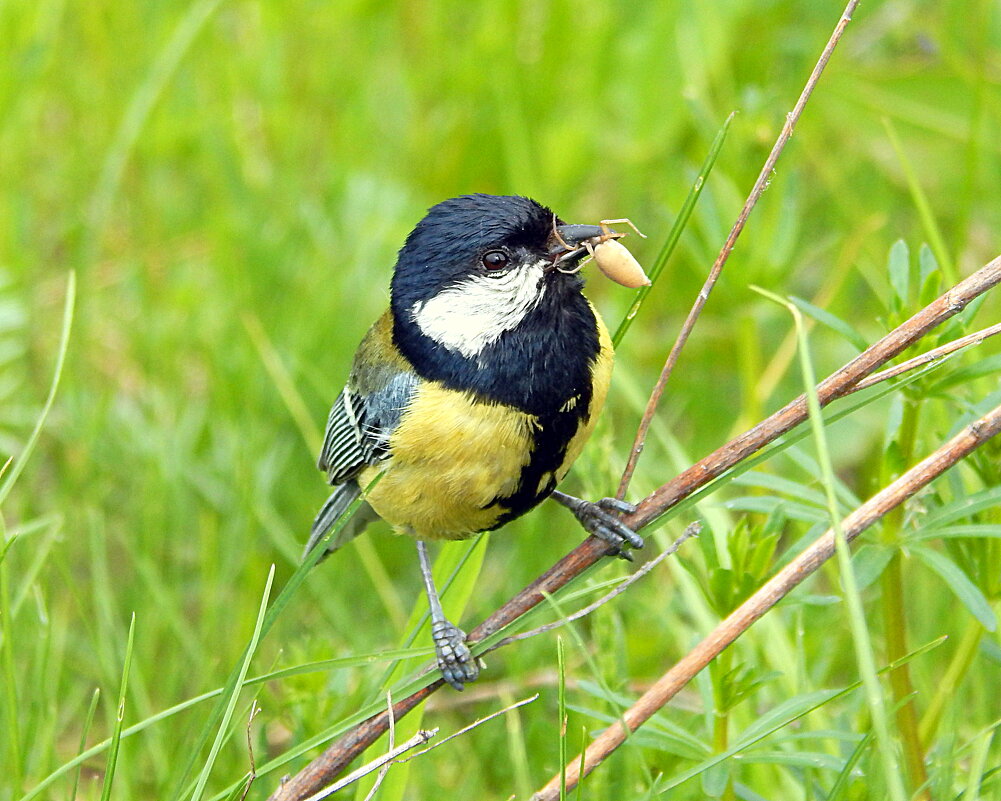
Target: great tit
473,394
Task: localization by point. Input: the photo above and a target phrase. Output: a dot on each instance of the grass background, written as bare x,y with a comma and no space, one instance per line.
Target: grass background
230,180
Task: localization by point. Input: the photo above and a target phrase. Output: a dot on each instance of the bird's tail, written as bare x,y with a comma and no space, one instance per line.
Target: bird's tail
332,511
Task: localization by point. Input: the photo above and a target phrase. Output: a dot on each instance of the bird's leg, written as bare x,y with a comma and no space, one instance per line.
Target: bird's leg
454,657
600,518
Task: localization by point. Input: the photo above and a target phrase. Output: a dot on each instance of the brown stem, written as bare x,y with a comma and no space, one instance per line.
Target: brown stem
836,385
764,177
791,576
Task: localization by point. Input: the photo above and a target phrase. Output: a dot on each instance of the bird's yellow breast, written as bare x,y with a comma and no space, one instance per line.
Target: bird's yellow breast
453,456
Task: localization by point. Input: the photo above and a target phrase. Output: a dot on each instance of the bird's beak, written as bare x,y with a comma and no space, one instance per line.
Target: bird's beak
570,238
568,244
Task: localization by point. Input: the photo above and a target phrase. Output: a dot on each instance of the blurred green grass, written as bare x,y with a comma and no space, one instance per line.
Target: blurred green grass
201,165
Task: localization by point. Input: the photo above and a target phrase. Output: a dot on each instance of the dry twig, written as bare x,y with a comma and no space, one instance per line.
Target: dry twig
764,177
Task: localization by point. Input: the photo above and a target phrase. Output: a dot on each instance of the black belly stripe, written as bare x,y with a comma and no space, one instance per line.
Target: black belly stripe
551,441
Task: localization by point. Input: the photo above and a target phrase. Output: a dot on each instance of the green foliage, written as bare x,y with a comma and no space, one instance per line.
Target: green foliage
229,183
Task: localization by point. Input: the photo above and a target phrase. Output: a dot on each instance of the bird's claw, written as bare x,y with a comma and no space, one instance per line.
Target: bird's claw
600,518
456,661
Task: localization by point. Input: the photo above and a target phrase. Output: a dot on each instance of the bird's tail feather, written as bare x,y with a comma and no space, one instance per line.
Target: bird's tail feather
331,512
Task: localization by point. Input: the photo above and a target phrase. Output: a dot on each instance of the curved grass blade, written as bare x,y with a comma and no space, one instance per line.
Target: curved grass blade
11,476
856,613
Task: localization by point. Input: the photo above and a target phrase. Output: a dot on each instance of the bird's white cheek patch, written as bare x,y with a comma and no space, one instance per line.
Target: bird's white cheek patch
472,314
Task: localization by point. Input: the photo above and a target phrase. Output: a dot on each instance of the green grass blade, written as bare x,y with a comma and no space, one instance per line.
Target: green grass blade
11,476
856,613
676,230
932,230
794,712
281,601
357,660
116,736
143,100
840,785
561,670
977,762
88,722
234,694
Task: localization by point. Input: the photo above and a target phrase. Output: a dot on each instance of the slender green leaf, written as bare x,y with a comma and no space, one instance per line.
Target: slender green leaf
237,688
116,735
832,321
962,587
676,230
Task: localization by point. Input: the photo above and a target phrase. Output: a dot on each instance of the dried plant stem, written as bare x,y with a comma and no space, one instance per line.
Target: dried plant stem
336,758
764,177
931,356
770,594
838,384
421,737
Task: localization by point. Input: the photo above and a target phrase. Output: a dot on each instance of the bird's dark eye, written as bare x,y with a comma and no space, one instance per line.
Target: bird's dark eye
495,260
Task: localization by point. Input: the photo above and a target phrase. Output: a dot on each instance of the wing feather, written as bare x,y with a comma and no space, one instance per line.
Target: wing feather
359,427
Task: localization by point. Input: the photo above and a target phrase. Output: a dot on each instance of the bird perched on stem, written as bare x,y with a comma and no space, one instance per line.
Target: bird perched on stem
473,394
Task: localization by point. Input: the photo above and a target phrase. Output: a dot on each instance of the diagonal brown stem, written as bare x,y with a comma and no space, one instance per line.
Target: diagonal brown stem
752,199
791,576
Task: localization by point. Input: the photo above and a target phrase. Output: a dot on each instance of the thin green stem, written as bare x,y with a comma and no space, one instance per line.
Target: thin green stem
853,600
721,714
900,679
960,663
895,616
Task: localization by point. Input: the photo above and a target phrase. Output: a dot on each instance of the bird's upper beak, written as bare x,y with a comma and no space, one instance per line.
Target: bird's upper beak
571,237
568,243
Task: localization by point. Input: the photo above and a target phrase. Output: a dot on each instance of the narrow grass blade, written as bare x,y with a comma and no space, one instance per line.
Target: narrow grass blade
794,712
116,736
11,476
676,230
977,762
853,599
143,100
281,601
88,722
840,785
326,664
561,669
234,694
283,382
932,230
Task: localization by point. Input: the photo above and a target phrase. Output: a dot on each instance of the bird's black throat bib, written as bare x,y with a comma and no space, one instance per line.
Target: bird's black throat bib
537,367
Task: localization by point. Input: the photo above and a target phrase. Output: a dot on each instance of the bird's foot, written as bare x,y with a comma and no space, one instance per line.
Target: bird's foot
600,518
458,666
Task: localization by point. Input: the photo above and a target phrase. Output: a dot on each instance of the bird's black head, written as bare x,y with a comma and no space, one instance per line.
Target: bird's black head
477,265
486,300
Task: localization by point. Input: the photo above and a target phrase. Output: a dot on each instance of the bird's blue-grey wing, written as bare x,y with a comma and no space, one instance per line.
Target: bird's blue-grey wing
357,436
360,425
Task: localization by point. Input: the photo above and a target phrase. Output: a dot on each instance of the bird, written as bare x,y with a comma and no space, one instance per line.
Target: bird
470,398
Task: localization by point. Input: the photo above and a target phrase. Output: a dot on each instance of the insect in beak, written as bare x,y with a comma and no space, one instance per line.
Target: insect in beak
574,242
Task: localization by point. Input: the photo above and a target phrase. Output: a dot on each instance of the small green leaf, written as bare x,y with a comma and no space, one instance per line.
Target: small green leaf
832,321
957,581
964,507
870,561
899,268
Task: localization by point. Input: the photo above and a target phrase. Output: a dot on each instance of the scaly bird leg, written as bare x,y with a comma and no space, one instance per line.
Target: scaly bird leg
600,519
454,657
